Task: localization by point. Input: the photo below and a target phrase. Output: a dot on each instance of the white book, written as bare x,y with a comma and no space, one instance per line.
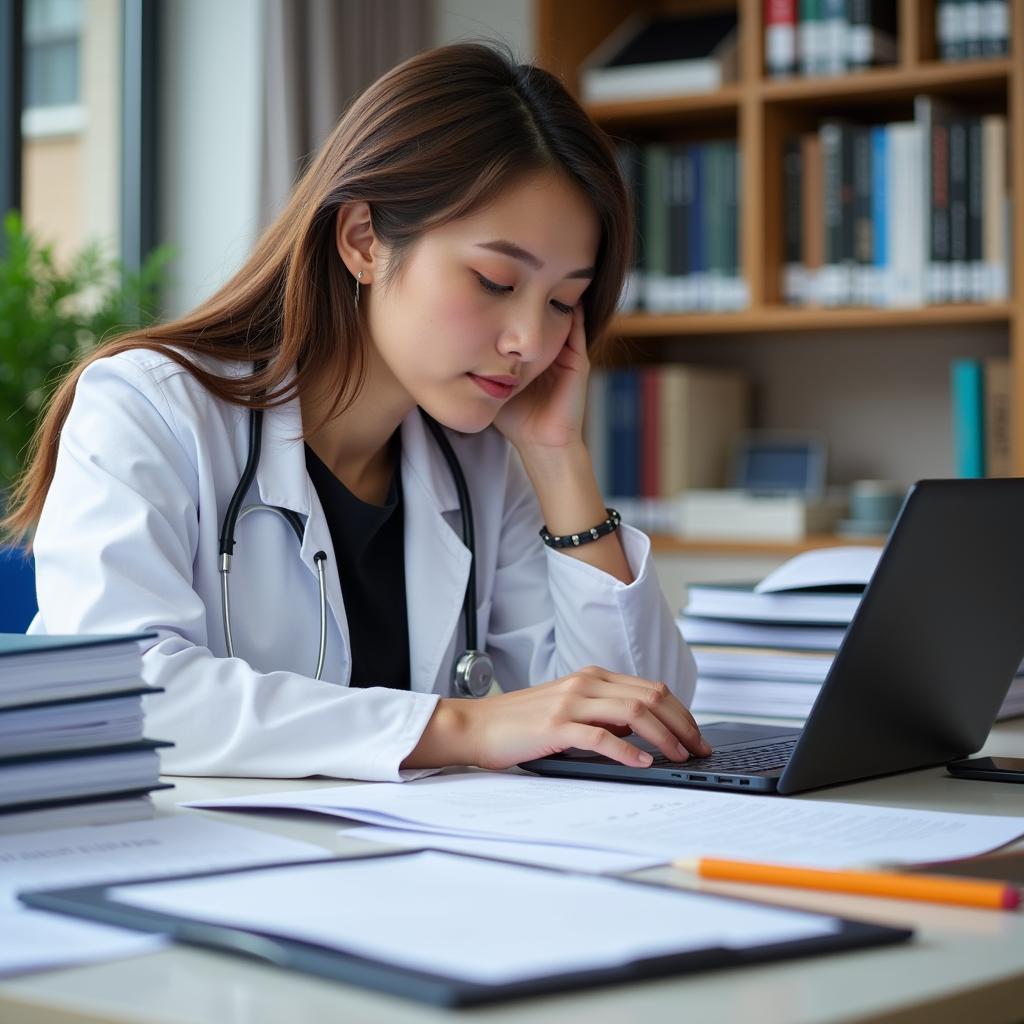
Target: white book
993,206
663,79
737,515
756,634
995,26
970,15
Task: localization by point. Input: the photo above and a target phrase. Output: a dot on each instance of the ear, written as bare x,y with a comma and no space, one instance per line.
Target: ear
355,240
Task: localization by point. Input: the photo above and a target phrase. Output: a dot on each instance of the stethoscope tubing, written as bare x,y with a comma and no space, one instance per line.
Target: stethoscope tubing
235,513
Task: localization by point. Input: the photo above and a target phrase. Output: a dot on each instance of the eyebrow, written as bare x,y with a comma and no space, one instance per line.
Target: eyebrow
517,252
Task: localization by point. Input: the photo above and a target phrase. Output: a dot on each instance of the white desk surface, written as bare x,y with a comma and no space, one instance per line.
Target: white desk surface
962,965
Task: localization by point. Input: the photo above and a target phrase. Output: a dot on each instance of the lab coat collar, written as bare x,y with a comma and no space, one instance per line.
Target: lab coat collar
437,562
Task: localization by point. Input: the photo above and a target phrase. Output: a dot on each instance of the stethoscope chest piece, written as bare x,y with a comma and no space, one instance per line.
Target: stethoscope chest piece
474,674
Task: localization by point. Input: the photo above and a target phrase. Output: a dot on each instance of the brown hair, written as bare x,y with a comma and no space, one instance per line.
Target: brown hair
433,140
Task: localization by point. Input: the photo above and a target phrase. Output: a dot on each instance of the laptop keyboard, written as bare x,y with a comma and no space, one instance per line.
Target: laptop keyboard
753,759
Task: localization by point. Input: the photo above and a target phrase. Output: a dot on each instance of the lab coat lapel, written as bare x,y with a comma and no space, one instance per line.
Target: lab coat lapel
436,561
282,480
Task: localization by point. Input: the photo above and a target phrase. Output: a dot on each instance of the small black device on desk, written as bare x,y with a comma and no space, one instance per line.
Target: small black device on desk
995,769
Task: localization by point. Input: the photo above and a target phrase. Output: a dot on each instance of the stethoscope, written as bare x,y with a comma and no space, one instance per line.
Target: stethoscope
474,670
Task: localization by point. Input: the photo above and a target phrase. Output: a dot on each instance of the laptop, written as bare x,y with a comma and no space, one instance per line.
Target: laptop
923,668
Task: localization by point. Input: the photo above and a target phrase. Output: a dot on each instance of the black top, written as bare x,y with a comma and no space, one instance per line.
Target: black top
369,550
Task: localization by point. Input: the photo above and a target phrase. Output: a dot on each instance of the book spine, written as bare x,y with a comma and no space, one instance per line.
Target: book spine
595,427
780,42
650,432
619,411
993,232
879,283
733,298
871,34
970,15
698,228
832,177
859,34
995,28
813,228
863,228
676,240
792,257
998,409
848,252
938,270
687,227
656,251
907,234
714,212
968,418
943,28
958,276
809,36
834,30
976,290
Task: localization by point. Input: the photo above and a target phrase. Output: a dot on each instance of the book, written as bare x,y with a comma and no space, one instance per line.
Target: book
994,201
968,417
998,403
723,514
822,586
724,633
780,37
72,745
741,602
703,411
810,38
647,58
792,700
907,258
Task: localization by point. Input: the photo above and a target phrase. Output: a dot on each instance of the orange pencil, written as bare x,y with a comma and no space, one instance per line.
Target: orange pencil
966,892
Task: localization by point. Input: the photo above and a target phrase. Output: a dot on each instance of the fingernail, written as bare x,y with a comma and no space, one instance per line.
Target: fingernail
705,746
644,759
683,753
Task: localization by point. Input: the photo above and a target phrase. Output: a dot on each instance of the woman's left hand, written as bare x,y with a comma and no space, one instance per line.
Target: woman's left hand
548,413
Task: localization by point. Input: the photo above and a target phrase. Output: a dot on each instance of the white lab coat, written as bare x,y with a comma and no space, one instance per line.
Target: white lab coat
127,541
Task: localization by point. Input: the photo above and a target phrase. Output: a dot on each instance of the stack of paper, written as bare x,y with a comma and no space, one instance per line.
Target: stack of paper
658,822
33,940
72,750
765,649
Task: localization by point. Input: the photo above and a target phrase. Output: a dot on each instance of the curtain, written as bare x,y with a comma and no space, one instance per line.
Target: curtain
319,55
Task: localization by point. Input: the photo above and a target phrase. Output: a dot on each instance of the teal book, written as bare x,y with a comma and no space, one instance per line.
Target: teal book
968,417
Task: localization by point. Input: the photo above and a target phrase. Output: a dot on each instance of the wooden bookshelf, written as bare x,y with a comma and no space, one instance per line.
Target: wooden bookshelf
761,112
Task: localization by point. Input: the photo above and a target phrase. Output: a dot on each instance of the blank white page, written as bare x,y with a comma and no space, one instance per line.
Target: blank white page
473,920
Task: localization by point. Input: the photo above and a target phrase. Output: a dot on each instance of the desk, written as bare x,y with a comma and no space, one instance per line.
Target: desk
962,965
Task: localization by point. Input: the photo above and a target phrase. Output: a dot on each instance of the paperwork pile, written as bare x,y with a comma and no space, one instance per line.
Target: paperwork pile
72,750
652,821
33,940
766,649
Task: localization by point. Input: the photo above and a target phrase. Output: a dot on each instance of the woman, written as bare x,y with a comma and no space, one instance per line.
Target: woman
458,238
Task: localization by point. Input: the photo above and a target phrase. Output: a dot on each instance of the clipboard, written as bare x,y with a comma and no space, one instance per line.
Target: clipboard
274,945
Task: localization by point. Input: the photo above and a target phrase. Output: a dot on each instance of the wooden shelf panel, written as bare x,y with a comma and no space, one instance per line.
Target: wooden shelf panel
663,544
941,77
781,318
720,105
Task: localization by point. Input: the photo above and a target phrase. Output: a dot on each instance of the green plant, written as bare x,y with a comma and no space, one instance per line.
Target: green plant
51,315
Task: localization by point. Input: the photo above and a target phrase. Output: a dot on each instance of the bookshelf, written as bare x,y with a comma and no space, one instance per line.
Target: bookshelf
761,112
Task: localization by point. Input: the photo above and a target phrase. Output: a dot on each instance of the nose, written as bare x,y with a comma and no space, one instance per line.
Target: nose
522,338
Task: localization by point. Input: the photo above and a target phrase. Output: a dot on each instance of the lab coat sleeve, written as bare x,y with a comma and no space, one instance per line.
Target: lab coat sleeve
553,614
114,554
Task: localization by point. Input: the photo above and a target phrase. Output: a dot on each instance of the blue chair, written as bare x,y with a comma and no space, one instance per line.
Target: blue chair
17,590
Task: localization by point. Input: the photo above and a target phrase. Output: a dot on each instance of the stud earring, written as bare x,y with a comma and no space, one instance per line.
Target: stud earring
359,278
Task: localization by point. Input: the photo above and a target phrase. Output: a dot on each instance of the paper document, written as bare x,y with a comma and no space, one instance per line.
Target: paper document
430,912
659,821
568,858
826,567
33,940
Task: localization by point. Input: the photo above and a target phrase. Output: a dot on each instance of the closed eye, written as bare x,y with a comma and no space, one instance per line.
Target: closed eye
501,289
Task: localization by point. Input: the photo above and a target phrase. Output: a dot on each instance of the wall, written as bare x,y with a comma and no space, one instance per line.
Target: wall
211,90
509,20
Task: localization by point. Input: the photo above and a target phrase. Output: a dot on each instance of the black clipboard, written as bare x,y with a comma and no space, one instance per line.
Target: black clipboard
95,903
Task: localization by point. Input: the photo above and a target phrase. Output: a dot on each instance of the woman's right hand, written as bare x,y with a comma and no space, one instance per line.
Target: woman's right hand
592,709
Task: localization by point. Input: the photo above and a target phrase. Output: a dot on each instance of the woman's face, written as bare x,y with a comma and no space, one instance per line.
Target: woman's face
483,305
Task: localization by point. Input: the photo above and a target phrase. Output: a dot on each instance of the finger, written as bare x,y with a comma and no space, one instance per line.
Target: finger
577,332
637,715
594,682
601,741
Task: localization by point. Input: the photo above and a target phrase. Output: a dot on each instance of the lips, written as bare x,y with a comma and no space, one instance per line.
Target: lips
496,387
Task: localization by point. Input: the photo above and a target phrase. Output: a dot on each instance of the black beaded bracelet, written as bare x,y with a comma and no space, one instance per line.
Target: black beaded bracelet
574,540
